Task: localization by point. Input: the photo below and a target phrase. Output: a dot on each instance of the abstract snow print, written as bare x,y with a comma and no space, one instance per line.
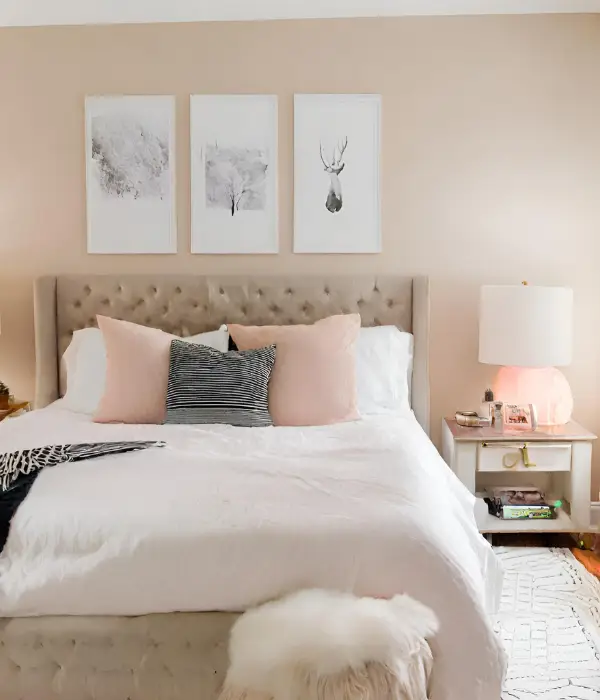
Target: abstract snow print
336,174
130,150
234,173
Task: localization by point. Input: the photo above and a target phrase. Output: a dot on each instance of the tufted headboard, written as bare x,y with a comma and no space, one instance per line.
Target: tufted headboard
191,304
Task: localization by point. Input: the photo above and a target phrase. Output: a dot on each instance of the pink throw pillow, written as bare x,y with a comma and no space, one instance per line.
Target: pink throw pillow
313,381
137,372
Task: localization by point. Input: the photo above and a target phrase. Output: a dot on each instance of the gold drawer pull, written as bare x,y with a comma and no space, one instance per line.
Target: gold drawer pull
525,453
512,445
510,461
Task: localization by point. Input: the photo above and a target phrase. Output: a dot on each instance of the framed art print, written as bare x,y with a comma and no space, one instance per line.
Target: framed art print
130,174
234,173
337,174
520,416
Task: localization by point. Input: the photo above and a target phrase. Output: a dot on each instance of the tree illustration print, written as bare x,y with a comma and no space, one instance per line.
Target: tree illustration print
235,178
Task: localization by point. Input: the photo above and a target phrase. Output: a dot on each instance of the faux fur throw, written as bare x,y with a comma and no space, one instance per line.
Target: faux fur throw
19,470
325,645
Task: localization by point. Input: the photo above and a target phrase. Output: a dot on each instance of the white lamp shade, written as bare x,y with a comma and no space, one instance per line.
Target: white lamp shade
525,326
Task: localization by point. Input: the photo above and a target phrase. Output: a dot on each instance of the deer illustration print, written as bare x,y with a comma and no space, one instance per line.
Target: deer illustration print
334,196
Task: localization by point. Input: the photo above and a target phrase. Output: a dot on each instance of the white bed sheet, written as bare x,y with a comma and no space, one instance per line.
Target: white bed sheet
224,518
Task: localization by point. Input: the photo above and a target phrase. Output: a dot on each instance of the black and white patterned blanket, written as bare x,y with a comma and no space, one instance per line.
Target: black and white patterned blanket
19,470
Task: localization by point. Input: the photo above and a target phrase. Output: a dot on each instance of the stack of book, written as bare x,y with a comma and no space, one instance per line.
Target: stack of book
520,502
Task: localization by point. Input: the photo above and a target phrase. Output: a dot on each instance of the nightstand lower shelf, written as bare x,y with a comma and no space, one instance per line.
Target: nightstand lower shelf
489,524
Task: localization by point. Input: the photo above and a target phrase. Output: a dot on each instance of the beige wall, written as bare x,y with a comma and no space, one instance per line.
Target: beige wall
491,161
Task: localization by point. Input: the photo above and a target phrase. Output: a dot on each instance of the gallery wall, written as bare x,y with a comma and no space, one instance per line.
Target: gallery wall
490,162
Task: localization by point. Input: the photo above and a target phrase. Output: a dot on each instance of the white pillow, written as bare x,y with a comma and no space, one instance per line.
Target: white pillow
84,365
384,360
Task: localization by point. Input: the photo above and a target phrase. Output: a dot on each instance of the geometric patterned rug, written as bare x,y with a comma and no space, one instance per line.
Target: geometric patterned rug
549,622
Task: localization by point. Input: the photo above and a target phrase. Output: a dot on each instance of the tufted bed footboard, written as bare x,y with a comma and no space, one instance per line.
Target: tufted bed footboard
179,656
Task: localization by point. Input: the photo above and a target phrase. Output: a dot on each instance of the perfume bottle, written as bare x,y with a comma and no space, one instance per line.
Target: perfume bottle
498,416
487,405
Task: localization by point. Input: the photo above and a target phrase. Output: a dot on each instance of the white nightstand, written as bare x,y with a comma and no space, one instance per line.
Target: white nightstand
559,462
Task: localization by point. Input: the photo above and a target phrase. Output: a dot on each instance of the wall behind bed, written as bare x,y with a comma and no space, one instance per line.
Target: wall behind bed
491,161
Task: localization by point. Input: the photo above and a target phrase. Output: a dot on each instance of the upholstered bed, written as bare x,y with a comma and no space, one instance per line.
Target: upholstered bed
180,656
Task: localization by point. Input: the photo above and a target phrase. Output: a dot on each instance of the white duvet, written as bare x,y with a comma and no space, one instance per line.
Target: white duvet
224,518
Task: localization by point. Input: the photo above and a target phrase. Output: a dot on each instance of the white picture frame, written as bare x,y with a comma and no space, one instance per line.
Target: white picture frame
519,416
130,174
337,182
234,165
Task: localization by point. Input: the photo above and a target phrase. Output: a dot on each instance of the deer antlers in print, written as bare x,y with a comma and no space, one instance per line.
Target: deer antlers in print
334,196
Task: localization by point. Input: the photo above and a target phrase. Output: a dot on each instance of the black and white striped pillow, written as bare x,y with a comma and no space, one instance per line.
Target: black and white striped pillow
209,386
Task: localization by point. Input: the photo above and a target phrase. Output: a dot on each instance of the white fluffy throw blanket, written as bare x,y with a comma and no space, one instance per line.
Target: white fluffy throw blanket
331,646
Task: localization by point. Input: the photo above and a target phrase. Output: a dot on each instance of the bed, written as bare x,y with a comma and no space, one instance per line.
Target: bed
102,597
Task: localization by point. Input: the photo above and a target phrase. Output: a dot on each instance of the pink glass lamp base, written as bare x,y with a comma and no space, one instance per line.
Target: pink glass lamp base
546,387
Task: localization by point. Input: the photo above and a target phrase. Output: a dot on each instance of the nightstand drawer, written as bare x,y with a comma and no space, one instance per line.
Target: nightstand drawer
523,456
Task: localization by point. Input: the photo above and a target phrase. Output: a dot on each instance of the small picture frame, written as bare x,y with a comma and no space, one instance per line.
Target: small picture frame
520,416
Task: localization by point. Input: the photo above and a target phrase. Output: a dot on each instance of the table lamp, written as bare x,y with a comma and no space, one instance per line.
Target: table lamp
528,330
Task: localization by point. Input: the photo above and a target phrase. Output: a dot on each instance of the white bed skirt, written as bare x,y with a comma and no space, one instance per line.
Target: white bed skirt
176,656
